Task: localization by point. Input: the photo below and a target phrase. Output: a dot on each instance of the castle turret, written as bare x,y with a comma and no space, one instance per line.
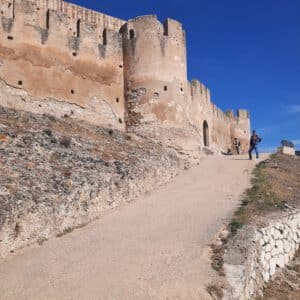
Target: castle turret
154,67
240,127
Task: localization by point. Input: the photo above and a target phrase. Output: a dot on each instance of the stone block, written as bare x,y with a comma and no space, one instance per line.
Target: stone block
286,258
266,276
272,266
268,256
280,261
286,150
274,252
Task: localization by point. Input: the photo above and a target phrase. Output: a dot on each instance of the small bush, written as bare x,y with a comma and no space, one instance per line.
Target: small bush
235,226
65,141
50,117
48,132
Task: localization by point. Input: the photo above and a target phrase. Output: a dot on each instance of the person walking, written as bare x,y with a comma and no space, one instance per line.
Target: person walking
237,145
254,141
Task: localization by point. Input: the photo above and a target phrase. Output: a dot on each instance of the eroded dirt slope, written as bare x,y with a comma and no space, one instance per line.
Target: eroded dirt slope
56,174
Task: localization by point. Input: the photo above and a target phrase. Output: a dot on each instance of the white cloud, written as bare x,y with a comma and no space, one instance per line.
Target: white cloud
296,142
294,109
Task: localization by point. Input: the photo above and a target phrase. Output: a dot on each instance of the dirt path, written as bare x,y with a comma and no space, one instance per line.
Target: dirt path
154,248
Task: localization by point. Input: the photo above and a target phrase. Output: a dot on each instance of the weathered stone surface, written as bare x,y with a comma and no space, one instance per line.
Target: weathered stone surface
62,59
272,247
56,175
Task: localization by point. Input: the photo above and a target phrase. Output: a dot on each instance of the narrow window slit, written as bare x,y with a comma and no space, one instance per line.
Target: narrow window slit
48,19
131,34
104,36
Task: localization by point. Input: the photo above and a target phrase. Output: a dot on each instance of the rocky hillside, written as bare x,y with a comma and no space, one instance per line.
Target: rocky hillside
57,174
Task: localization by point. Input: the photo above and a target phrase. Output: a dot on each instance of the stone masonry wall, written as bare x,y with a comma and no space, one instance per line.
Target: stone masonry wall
63,59
266,250
69,55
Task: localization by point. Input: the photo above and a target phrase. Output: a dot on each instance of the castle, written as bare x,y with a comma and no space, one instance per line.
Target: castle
68,61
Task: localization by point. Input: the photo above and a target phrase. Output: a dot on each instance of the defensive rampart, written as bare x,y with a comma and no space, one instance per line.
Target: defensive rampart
62,59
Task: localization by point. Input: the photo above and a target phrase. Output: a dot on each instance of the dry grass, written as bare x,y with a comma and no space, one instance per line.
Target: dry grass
275,186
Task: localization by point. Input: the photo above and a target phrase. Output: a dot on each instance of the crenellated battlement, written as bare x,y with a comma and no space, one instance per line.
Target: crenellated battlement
73,11
199,89
101,69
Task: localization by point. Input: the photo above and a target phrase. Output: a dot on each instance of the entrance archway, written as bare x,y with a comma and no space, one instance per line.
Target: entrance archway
205,134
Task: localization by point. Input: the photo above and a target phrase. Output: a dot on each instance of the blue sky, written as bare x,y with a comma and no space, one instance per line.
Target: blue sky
246,52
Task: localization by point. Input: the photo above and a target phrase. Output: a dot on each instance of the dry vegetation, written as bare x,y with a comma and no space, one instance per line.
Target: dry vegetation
275,186
57,174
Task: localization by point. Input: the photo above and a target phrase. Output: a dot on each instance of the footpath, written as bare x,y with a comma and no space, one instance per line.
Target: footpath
154,248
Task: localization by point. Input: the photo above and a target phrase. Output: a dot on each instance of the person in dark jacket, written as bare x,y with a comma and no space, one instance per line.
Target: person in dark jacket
254,141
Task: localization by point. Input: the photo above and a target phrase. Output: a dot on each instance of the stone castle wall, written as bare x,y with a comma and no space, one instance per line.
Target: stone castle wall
66,60
55,51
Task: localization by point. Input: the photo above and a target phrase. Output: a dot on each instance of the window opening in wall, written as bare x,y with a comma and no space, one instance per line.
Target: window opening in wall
166,29
72,92
48,19
78,28
20,82
131,34
104,36
181,89
120,66
165,88
13,8
117,100
10,37
74,54
205,134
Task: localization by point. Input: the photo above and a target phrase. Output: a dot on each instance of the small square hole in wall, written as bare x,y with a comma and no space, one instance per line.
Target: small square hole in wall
2,12
72,92
131,34
74,54
10,37
117,100
120,121
120,66
20,82
165,88
181,89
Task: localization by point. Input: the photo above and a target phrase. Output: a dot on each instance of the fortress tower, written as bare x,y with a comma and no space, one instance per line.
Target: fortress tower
68,61
155,68
240,127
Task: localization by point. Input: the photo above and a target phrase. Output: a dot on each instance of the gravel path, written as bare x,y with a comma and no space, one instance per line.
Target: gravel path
154,248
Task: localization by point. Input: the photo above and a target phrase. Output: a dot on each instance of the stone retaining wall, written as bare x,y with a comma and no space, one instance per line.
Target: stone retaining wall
268,248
